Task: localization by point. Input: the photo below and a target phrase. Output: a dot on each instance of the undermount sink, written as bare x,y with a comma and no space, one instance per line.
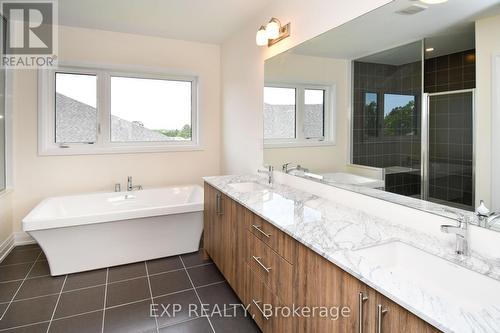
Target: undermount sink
433,274
247,187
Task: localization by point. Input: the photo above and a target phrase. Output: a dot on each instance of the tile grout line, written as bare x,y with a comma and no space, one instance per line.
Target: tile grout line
151,295
57,303
198,296
105,298
19,288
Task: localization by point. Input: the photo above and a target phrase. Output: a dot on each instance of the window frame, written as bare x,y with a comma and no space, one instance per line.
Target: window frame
328,117
104,145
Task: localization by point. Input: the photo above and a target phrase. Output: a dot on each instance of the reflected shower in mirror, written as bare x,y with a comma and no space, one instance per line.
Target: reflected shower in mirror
390,111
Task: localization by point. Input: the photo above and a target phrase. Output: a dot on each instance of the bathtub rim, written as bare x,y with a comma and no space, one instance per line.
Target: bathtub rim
32,224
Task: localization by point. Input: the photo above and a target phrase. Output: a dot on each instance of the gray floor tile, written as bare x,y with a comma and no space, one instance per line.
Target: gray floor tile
234,320
164,265
203,275
219,294
86,323
196,258
26,247
167,283
199,325
80,301
7,290
124,272
40,286
30,311
41,268
14,272
35,328
85,279
127,291
187,301
21,257
131,318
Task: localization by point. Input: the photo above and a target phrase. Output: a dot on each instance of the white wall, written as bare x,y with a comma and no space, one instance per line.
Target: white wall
243,71
38,177
294,68
5,216
487,45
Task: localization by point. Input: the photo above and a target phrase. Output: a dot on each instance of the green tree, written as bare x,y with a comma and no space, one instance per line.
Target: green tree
399,120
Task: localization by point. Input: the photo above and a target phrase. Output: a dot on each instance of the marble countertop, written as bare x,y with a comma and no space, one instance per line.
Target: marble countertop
336,232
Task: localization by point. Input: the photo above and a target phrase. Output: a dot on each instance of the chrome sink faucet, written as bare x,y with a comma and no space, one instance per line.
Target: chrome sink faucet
462,233
287,167
130,186
269,172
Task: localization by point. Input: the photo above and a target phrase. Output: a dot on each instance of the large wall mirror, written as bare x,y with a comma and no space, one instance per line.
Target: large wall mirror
395,104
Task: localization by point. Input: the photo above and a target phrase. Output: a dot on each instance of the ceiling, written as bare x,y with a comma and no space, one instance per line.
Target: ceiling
448,27
209,21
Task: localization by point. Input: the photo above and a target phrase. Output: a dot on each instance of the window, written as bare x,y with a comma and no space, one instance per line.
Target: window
400,116
296,115
76,108
94,111
279,113
150,110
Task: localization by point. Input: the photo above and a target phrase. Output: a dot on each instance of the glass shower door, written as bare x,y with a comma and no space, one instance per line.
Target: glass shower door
449,176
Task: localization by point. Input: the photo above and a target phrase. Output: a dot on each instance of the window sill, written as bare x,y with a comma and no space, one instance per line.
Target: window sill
96,150
5,192
298,144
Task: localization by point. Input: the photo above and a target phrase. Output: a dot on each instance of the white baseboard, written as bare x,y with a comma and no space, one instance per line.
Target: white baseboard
15,239
6,247
22,238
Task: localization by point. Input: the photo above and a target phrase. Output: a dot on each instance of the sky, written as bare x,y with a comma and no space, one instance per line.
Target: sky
286,96
158,104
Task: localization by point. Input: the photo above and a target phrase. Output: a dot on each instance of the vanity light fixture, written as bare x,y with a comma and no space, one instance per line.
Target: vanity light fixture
272,33
429,49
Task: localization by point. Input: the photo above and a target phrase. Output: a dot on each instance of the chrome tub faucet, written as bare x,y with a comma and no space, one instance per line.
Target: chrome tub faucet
131,186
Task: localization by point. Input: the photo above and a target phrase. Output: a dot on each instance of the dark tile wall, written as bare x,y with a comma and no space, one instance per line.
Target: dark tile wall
450,127
371,145
450,124
450,72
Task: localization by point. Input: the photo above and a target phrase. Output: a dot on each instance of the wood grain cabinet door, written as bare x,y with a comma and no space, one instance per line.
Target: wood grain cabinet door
392,318
360,299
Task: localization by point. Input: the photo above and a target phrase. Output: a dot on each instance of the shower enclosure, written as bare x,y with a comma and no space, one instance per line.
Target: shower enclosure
413,117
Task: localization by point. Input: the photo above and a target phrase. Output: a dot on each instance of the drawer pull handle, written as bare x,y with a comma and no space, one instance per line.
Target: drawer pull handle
218,204
256,227
361,299
380,313
257,259
256,303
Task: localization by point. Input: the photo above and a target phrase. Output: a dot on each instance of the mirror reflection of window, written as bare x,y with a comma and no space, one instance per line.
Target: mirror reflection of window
314,113
399,114
279,113
370,115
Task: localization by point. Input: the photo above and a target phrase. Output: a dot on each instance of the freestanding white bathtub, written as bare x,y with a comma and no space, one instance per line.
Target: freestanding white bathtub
84,232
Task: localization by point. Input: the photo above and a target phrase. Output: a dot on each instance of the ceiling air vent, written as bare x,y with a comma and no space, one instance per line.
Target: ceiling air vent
413,9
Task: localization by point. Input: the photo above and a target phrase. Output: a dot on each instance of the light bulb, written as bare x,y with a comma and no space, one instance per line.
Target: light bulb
273,28
261,36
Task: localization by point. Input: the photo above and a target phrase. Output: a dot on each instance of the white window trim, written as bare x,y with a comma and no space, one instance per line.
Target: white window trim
103,145
329,117
9,178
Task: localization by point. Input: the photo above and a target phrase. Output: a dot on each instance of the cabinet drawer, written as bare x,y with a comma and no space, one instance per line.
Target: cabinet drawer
259,298
272,236
273,270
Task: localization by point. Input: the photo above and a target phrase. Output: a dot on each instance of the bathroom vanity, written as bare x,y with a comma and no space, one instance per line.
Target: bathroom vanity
282,246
